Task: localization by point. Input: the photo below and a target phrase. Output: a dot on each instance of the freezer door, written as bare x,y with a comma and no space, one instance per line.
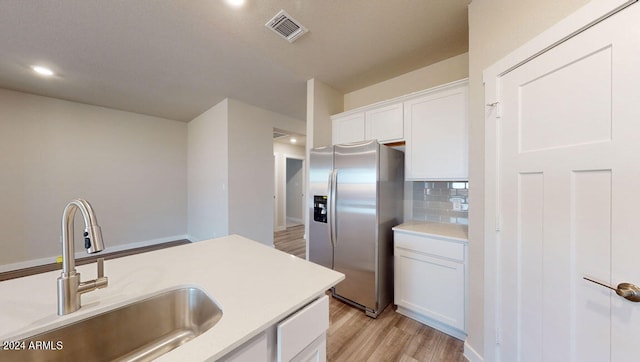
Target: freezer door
320,167
356,231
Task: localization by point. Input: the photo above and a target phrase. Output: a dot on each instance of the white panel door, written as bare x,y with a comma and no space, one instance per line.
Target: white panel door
569,172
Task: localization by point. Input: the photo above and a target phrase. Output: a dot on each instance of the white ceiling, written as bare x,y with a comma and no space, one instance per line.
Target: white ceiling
177,58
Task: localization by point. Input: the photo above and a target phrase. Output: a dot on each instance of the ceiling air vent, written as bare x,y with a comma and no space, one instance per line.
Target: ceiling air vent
285,26
279,134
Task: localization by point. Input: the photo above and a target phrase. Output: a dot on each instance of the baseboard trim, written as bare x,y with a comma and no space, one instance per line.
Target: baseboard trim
52,259
442,327
295,220
470,354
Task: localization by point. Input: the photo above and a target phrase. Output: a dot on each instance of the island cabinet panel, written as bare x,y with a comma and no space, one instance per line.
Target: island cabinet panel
301,336
348,128
255,350
430,281
436,128
315,352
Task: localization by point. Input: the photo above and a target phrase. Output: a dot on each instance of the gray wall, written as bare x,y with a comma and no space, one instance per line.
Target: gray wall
130,167
294,188
281,151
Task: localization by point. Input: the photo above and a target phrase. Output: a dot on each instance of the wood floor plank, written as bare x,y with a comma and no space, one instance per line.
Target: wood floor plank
352,336
291,240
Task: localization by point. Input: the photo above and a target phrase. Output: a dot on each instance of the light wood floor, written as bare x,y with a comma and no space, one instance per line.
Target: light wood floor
291,240
353,336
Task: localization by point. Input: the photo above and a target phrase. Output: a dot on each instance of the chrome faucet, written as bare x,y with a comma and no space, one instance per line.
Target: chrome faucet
69,285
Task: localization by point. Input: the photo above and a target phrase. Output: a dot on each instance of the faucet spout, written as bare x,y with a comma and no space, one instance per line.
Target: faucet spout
92,233
69,286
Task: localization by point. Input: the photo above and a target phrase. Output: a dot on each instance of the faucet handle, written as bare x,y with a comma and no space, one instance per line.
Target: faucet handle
100,267
101,281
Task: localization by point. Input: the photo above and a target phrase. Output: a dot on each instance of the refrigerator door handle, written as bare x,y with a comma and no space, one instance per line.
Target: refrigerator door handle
329,206
333,186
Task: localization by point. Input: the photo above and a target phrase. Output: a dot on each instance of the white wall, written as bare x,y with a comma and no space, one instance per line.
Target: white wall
130,167
322,102
251,174
231,173
496,27
208,174
442,72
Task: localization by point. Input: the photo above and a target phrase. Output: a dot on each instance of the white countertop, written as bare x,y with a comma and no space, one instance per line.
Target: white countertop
255,285
451,231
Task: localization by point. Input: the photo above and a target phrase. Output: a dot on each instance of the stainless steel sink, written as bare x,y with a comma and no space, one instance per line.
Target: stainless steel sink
140,331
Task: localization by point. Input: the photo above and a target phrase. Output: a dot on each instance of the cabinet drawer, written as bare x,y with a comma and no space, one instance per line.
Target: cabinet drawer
440,247
302,329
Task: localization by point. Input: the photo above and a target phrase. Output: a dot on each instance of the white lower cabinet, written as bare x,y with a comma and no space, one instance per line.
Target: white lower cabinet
315,352
430,281
255,350
299,337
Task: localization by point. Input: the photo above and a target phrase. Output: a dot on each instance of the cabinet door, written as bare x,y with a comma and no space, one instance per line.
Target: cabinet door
304,332
315,352
430,286
348,129
384,124
436,132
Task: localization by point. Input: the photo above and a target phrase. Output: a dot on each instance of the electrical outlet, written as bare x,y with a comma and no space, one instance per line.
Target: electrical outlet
457,204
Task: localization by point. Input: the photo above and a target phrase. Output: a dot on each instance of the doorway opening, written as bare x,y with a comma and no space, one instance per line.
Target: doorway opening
289,193
294,194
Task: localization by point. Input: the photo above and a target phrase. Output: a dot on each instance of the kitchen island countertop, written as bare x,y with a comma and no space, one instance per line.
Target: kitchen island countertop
255,285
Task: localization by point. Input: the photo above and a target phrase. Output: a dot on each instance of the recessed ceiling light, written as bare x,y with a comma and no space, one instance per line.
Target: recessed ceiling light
293,140
236,3
42,70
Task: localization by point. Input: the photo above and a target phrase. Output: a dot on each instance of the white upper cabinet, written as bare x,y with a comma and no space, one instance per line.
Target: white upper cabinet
384,124
436,133
433,123
348,128
381,122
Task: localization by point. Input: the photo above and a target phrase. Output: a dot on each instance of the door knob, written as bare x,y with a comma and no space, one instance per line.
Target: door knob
625,290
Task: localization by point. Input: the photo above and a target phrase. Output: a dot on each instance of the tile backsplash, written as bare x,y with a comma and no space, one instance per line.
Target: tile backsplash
441,201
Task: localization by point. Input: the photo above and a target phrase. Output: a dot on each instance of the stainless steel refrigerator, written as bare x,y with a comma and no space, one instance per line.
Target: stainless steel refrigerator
356,193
